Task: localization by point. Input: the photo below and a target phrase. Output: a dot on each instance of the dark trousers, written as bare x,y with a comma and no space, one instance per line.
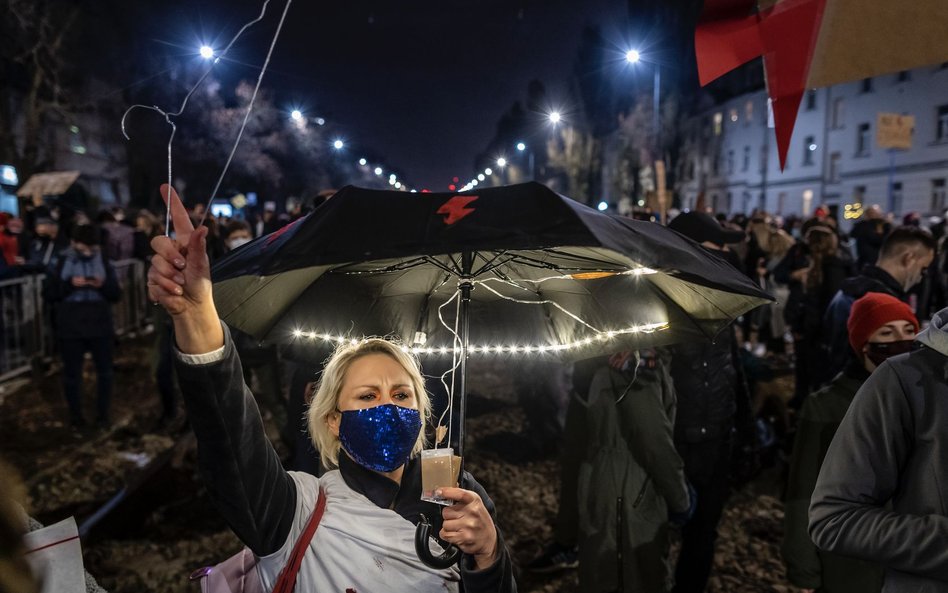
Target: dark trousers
566,528
706,466
73,351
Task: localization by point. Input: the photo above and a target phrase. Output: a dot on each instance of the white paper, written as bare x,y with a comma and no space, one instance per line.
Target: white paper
55,555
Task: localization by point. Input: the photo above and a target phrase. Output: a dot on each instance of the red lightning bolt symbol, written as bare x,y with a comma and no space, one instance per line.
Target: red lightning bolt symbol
456,208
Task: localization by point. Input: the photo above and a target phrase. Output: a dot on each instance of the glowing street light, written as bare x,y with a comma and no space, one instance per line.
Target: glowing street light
632,56
501,162
296,114
363,162
603,206
521,146
555,117
488,171
207,52
338,144
480,177
378,171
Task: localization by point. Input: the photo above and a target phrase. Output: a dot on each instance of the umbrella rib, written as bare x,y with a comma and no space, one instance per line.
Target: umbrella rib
611,266
406,265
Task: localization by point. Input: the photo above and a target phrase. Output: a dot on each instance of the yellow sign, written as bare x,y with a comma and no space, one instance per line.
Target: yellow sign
894,130
238,201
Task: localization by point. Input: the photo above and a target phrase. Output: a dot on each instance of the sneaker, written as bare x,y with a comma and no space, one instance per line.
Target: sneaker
554,558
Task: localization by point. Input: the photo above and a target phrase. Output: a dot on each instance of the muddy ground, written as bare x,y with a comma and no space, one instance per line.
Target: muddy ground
154,539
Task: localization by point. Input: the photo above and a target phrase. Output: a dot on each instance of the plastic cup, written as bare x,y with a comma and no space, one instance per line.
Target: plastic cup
437,471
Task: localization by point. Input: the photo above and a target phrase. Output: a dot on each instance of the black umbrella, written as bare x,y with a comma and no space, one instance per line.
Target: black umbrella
516,269
508,270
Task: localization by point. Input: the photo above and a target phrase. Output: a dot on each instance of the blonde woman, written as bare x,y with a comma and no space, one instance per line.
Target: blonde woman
366,419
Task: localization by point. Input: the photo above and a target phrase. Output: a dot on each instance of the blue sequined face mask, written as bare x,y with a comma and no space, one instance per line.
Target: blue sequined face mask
380,438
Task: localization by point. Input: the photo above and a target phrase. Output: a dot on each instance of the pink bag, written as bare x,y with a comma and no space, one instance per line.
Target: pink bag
238,574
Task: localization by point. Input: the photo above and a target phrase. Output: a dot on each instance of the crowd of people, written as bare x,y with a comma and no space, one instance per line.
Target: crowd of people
650,441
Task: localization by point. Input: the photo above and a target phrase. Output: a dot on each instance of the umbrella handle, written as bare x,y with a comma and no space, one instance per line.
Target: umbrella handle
446,559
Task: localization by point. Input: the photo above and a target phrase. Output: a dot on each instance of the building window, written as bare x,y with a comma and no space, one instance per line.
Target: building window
897,197
746,162
834,173
941,129
838,113
904,76
807,202
809,147
810,100
863,140
718,121
748,113
733,115
859,194
727,204
714,203
730,162
938,195
866,85
781,202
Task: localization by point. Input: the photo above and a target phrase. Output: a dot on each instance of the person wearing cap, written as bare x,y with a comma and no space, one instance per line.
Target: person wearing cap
882,491
879,325
713,404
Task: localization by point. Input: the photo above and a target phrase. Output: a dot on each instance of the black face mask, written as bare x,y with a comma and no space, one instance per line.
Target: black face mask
878,352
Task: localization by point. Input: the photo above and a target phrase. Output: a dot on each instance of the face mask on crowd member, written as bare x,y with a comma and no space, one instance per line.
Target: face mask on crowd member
371,404
905,255
880,326
237,233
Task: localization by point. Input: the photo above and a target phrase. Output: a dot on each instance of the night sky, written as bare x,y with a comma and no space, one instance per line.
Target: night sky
421,83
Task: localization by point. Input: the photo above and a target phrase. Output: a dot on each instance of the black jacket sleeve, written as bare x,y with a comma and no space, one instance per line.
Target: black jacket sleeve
493,579
861,474
252,491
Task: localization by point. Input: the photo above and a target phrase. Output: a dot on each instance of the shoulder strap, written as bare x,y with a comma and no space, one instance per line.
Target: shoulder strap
286,582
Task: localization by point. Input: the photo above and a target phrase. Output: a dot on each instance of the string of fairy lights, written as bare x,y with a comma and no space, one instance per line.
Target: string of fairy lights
595,335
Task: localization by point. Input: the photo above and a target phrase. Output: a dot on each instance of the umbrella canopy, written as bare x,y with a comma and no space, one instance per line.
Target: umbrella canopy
547,275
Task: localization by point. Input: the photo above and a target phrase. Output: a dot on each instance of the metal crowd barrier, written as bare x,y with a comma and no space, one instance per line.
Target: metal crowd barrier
26,331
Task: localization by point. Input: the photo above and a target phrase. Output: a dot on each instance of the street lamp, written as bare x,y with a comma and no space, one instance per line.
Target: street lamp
501,162
633,57
522,147
488,171
207,52
362,162
378,171
555,117
296,114
338,144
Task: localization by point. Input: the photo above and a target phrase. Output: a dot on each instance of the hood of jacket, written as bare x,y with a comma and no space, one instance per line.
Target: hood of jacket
936,335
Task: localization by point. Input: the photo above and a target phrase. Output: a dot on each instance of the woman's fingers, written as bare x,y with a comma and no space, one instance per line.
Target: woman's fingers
165,269
179,215
168,284
166,248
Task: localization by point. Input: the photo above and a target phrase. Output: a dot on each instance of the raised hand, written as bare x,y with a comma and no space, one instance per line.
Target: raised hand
469,526
180,281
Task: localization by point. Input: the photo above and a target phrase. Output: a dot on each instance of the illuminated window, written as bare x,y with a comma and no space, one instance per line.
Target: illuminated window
748,113
938,195
718,121
807,201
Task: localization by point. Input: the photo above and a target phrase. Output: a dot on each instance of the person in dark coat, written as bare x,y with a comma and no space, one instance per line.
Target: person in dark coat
903,259
879,324
869,234
82,287
630,456
882,493
713,403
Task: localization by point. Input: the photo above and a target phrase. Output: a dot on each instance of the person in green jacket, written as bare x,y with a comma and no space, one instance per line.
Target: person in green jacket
879,326
631,475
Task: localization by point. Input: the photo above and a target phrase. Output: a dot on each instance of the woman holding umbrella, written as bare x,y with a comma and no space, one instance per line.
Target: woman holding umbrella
367,418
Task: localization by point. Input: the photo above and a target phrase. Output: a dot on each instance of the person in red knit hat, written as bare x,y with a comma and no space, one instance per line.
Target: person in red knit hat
879,326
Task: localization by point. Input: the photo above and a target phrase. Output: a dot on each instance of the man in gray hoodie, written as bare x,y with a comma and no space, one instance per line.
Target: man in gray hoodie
882,493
